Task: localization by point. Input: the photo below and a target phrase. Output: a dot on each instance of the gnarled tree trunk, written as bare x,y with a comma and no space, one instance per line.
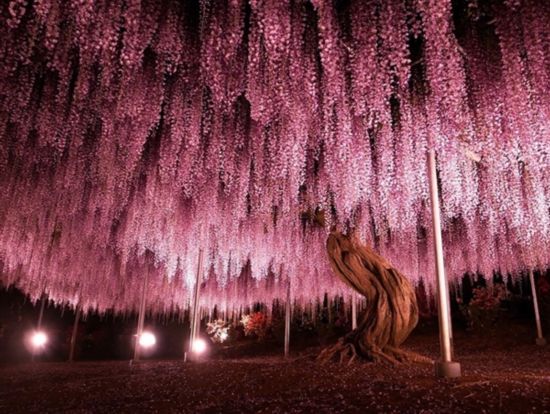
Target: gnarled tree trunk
392,311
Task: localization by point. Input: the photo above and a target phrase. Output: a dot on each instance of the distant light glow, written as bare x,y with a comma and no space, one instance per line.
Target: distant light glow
147,340
39,339
199,346
223,336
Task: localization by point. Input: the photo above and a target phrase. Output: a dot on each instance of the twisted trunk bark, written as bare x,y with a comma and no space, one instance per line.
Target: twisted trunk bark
392,311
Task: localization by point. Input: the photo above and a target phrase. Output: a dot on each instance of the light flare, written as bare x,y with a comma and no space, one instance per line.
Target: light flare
39,340
147,340
199,346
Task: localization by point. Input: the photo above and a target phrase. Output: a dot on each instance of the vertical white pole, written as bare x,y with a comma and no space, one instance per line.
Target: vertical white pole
141,316
445,367
353,311
540,339
41,313
40,316
287,321
195,320
73,336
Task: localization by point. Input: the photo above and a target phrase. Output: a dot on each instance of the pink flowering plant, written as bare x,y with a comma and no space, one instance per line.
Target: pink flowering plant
483,310
130,136
257,325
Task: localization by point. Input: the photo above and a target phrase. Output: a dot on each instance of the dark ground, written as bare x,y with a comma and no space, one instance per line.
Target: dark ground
502,373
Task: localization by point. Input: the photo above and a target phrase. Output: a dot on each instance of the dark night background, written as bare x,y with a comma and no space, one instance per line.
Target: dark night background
109,336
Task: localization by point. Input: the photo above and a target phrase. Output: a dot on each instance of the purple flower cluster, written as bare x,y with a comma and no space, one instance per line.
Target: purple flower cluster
134,132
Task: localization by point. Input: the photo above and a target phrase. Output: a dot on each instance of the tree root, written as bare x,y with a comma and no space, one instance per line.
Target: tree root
408,356
346,352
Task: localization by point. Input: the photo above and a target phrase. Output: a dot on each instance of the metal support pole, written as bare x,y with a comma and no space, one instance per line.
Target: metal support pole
540,339
40,317
353,311
287,321
445,367
41,313
195,320
73,336
141,316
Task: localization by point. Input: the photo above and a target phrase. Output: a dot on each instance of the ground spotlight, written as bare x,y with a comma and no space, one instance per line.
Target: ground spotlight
199,346
39,340
147,340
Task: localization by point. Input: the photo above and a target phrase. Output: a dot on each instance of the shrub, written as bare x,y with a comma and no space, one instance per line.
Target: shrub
256,324
483,310
218,331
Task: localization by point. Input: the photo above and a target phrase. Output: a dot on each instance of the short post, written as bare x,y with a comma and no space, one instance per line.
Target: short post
195,318
287,321
353,311
141,316
445,367
540,339
73,336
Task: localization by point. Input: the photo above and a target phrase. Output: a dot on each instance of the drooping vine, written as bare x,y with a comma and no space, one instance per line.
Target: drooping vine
136,131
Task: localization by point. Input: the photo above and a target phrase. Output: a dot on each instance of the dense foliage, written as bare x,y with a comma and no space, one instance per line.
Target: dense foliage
134,132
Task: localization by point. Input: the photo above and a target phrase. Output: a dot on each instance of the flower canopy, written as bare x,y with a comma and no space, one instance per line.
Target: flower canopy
133,133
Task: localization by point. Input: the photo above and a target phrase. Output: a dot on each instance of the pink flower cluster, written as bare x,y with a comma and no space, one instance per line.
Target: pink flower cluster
135,132
488,298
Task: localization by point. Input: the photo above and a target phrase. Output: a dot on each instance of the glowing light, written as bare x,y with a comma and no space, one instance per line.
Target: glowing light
39,339
199,346
147,340
223,336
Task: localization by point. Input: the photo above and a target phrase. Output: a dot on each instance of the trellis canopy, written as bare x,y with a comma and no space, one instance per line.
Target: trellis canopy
133,133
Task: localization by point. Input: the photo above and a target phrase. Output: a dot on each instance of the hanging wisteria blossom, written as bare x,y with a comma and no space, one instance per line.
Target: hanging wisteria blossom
134,132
